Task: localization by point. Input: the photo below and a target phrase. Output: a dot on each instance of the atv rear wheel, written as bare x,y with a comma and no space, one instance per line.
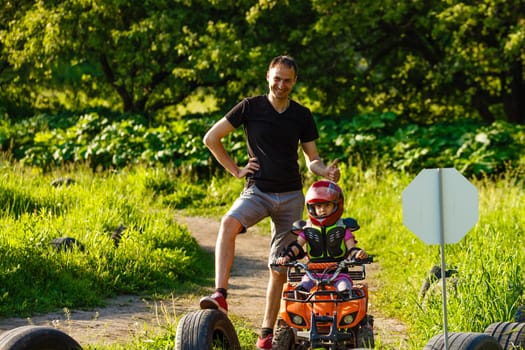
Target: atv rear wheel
510,335
206,330
463,341
37,338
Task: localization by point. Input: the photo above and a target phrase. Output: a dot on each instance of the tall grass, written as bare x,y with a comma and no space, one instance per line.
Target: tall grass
154,253
490,279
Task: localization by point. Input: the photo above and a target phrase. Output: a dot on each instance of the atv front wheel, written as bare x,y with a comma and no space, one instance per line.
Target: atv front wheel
365,337
206,330
284,338
463,341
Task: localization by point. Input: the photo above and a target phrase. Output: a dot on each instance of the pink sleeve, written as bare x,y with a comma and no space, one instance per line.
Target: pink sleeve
301,234
348,235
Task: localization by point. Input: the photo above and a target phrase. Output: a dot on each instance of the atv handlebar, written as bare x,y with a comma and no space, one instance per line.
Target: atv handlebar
329,274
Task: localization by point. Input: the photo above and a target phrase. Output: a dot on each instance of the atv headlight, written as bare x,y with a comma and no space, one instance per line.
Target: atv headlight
348,319
296,319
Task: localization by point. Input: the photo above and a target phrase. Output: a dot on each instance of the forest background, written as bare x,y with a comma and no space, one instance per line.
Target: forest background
395,87
412,84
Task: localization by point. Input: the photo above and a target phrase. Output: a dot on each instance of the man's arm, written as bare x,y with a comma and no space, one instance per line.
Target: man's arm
317,166
213,140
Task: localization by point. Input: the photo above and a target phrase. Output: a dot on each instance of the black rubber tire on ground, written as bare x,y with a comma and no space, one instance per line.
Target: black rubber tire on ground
206,330
37,338
463,341
284,338
510,335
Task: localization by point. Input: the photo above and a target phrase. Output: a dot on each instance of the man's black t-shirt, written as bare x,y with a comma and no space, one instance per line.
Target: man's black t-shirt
274,138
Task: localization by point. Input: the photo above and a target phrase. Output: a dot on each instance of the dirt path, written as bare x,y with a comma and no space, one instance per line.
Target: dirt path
127,316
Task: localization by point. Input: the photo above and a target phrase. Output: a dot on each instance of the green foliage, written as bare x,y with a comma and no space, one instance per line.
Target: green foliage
177,192
151,252
473,148
428,61
135,57
103,141
431,61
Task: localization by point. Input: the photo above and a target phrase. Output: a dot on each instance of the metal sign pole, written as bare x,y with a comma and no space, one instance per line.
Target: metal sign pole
440,206
442,244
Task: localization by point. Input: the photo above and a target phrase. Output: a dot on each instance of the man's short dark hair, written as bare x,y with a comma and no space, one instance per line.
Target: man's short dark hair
286,60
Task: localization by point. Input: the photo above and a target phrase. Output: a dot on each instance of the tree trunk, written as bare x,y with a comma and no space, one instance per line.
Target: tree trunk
514,100
127,98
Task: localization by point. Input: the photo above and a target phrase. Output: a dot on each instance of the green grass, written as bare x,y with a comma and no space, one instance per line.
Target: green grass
155,253
489,259
158,256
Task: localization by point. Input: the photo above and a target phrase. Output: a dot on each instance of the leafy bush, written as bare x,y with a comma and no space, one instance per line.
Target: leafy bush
474,149
105,141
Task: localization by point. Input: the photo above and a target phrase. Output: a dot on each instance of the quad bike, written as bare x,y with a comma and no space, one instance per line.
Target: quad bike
324,318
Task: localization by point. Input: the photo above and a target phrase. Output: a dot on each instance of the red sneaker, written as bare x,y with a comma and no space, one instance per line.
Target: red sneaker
265,343
215,301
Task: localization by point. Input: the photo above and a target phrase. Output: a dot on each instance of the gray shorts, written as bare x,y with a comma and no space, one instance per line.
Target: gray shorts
284,209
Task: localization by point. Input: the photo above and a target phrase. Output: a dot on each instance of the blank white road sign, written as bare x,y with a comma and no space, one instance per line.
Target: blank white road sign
440,206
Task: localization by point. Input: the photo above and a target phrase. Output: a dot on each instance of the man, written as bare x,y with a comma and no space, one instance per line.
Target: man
274,125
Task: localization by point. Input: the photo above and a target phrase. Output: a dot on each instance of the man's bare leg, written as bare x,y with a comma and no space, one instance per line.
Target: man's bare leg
273,297
224,256
225,250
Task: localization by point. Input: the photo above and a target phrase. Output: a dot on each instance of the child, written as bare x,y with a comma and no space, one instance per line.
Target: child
325,235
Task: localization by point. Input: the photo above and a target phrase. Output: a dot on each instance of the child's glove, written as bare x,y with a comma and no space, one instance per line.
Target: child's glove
290,254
